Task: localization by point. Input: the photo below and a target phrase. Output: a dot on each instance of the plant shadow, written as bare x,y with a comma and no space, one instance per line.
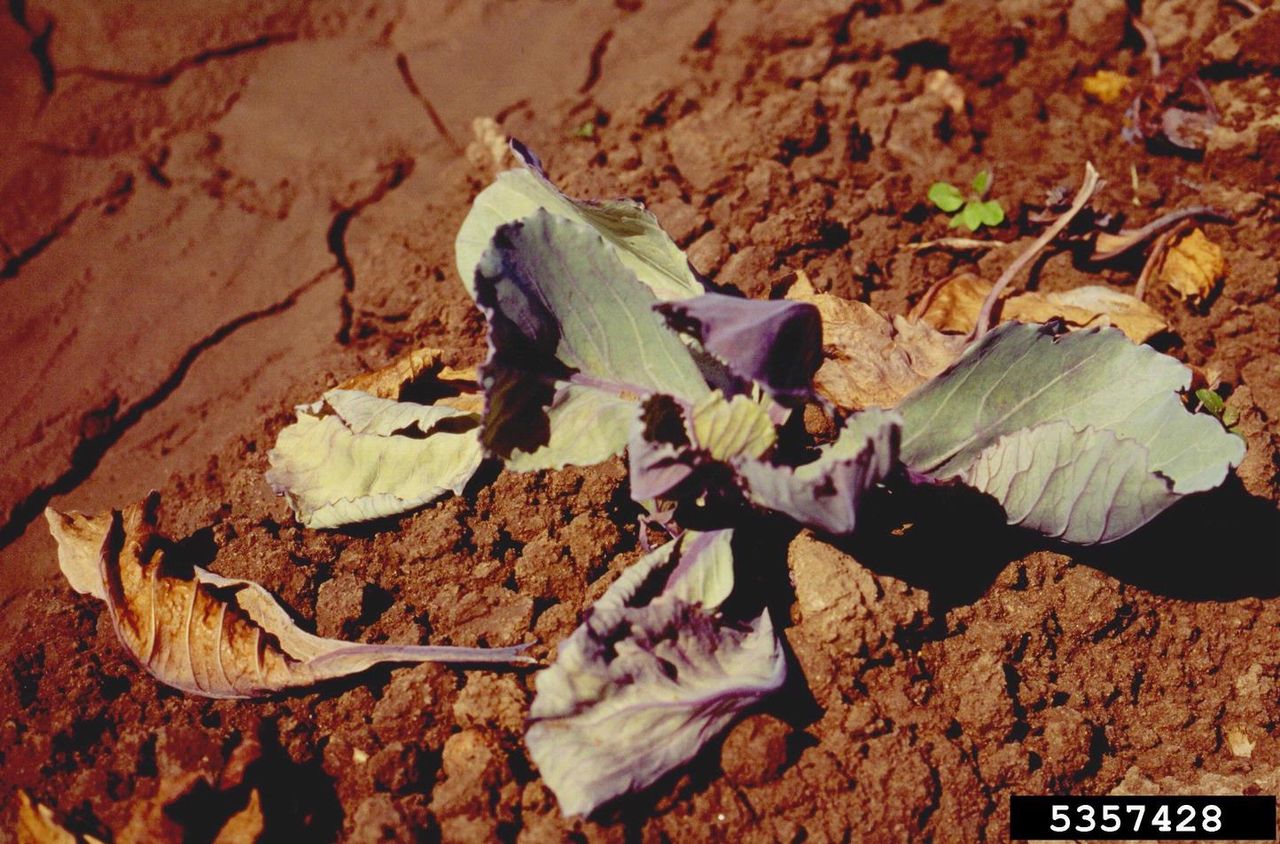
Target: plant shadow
946,540
1216,546
953,543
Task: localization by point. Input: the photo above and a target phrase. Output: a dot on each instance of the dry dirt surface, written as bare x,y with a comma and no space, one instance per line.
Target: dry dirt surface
212,212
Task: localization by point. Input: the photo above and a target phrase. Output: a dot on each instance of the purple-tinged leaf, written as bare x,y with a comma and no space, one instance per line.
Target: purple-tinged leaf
777,344
652,674
675,450
825,493
574,344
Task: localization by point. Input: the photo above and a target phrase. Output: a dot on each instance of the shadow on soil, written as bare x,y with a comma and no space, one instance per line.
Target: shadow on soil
1217,546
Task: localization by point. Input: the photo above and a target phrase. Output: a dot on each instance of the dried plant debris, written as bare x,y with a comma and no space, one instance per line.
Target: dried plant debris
648,678
1081,436
1105,86
868,359
1193,266
361,452
1172,109
953,305
203,633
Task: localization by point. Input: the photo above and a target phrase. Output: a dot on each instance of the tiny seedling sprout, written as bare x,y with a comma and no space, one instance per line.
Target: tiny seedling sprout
973,211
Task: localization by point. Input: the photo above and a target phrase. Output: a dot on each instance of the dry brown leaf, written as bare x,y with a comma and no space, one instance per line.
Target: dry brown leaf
870,361
954,306
36,825
1106,86
421,371
1193,266
245,826
1092,304
211,635
953,303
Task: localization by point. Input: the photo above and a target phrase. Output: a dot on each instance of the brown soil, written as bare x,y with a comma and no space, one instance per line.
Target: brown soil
210,215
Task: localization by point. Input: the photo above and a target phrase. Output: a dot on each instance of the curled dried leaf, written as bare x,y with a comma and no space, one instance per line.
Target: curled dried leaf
1194,266
954,305
421,374
868,360
211,635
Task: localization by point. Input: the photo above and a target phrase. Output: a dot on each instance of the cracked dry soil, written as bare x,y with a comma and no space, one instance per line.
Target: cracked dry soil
210,215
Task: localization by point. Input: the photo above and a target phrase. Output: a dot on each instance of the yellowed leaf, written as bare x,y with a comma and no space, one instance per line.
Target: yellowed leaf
1193,266
36,825
1106,86
211,635
955,304
870,361
245,826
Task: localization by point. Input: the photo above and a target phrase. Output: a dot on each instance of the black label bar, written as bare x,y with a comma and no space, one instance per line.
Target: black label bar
1161,818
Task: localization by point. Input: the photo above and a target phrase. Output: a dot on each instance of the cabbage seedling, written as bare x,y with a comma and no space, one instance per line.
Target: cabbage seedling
972,211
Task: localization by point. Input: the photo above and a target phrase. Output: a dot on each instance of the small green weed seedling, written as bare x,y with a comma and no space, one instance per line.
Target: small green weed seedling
1214,404
974,210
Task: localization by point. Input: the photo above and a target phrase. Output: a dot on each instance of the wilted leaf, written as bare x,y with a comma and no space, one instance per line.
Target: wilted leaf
870,361
825,493
634,234
647,679
776,344
37,825
955,303
1081,436
1106,86
673,441
573,340
721,446
211,635
352,457
1193,266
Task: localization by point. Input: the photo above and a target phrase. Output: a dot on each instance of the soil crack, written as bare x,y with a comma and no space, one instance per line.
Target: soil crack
39,44
596,61
104,426
120,188
165,77
402,64
394,175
